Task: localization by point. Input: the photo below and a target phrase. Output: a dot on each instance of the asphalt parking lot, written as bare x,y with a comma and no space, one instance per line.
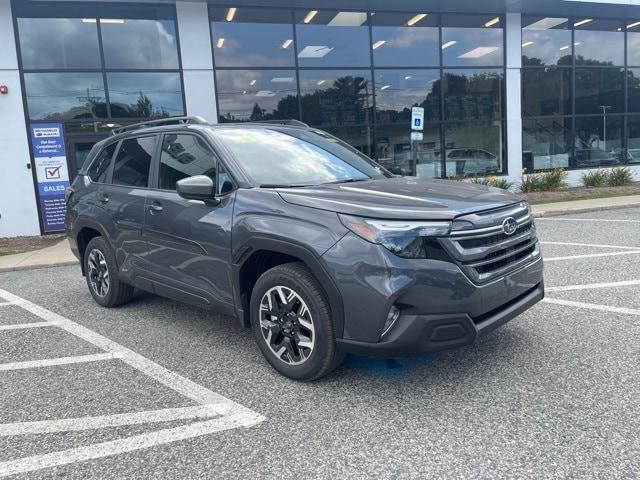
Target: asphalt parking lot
156,389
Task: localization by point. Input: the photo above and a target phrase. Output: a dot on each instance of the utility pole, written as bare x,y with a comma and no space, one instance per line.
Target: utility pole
604,125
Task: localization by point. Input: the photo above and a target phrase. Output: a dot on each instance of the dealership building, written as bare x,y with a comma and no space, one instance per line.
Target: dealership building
497,86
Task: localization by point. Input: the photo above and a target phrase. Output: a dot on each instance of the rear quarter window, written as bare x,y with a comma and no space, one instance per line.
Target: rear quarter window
100,165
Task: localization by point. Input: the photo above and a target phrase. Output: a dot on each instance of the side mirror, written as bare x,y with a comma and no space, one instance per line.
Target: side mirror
199,187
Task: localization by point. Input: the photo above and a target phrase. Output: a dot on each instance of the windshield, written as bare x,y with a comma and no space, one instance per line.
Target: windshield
296,157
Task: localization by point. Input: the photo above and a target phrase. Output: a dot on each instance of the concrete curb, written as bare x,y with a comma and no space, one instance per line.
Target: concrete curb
568,211
37,267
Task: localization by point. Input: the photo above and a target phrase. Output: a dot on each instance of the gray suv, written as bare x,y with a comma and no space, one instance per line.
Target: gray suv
304,239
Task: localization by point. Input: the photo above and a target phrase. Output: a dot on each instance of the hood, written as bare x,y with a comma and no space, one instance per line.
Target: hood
401,198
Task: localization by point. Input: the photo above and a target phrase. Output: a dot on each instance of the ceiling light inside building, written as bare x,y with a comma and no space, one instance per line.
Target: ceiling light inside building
492,22
348,19
546,23
479,52
583,22
320,82
415,19
310,15
265,93
314,51
565,47
287,42
220,42
526,44
631,25
450,43
282,79
253,82
407,77
378,44
231,13
385,87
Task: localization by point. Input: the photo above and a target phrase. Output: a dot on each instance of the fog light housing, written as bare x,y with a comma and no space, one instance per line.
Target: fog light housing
392,317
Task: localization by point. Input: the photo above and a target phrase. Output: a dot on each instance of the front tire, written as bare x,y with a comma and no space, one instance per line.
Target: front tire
291,320
101,272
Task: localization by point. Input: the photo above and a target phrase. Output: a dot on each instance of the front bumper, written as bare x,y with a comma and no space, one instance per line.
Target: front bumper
417,334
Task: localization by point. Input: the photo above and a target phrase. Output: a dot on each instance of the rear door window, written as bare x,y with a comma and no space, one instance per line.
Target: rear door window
133,161
100,166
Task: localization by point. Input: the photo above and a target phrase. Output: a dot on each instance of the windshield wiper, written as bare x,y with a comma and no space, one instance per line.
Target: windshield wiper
346,180
284,185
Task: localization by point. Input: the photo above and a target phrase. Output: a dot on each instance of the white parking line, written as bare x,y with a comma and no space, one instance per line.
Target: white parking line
593,255
594,245
556,219
589,286
20,326
592,306
235,414
50,362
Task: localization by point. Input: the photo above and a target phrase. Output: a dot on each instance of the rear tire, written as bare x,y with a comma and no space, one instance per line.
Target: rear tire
101,273
291,320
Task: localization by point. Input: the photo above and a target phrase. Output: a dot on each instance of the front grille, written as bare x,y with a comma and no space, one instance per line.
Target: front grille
487,253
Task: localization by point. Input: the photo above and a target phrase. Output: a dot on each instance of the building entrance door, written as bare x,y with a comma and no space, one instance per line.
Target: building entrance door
78,148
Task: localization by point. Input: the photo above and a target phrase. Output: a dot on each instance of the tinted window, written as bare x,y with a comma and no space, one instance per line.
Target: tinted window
300,157
402,156
251,37
473,149
399,90
546,143
546,41
136,43
405,39
133,161
100,166
473,94
546,91
332,39
53,96
598,42
594,146
633,45
59,43
469,40
184,156
148,95
599,87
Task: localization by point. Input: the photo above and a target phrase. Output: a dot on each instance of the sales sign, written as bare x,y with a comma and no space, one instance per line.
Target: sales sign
47,143
417,118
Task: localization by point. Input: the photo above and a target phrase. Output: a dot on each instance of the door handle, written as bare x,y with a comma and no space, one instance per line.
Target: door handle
155,207
104,198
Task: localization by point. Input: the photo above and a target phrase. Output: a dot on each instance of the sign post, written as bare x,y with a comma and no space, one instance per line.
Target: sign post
417,125
47,142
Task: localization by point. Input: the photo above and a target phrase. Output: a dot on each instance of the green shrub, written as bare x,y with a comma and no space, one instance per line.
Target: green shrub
619,176
493,181
543,182
595,178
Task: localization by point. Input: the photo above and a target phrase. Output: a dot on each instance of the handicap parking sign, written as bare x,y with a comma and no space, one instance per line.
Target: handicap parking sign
417,118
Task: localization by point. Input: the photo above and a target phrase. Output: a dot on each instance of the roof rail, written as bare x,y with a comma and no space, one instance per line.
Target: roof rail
162,121
292,122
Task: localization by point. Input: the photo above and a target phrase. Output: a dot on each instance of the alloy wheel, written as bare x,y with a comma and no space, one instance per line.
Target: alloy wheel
287,325
98,273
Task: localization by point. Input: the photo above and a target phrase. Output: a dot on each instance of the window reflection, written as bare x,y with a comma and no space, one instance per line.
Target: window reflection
633,44
546,91
472,40
62,43
360,138
252,38
251,95
330,97
400,155
332,39
633,140
405,39
473,94
546,143
147,95
473,149
134,43
546,41
633,89
65,96
598,88
598,141
598,42
399,90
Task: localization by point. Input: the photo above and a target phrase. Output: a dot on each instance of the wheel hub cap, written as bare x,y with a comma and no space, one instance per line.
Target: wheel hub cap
98,273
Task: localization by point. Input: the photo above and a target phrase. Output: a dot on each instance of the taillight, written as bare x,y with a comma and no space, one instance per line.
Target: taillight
67,193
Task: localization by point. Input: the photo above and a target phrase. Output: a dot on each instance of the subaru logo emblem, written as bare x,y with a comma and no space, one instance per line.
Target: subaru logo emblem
509,226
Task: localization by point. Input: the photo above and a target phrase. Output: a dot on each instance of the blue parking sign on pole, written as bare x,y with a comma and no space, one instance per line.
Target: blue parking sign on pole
417,118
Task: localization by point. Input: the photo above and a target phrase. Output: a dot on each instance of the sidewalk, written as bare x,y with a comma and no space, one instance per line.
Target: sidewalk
60,254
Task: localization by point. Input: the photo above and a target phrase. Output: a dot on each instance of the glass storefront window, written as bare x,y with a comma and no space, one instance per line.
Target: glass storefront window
60,43
397,153
65,96
360,138
598,88
405,39
546,91
146,95
329,38
598,141
252,37
633,43
336,97
399,90
633,140
633,89
473,94
546,41
598,42
139,43
474,149
472,40
546,143
251,95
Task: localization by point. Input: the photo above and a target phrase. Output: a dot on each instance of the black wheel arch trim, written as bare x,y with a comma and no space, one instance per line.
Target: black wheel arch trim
83,222
287,247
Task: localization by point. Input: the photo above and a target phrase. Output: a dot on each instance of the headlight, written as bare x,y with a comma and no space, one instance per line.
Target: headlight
405,238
